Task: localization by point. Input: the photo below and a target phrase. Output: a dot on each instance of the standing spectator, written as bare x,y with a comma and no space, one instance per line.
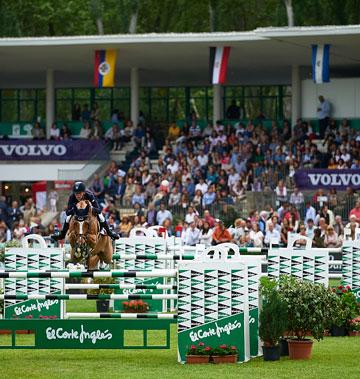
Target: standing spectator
220,234
120,188
138,197
310,212
281,192
297,198
129,191
151,215
3,210
53,199
85,114
191,236
209,197
356,211
323,113
174,198
174,132
256,236
163,214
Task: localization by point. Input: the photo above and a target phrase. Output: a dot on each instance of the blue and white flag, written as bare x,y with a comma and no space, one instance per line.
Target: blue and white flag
320,63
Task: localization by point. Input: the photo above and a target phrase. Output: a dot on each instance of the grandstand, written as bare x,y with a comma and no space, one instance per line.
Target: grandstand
165,147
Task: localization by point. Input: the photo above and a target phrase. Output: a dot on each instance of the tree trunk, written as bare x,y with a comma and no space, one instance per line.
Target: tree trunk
100,26
134,17
289,12
211,17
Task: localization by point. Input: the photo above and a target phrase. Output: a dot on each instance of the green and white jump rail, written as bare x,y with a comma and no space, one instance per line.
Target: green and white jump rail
90,297
81,286
132,316
162,257
89,274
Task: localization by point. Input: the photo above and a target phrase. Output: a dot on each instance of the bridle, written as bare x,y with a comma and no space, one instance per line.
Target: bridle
82,250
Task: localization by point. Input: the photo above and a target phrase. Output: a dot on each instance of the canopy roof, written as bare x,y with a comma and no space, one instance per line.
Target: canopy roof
262,56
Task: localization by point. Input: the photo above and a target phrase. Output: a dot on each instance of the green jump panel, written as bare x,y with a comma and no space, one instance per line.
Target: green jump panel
89,334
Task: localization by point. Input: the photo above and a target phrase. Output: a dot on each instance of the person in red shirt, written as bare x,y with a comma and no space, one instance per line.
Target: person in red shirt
220,234
356,211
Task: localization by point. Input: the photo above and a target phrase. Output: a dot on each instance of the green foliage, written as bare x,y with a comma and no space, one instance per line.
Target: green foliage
273,315
102,291
348,308
225,350
3,246
22,18
311,307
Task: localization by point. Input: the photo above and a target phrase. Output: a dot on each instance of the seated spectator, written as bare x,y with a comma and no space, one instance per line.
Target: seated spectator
318,240
174,198
37,131
191,236
356,211
163,214
54,132
174,132
125,226
206,232
85,131
297,198
281,192
338,226
220,233
209,197
98,132
151,215
113,136
331,238
310,228
191,215
208,218
255,235
272,236
138,196
129,191
285,229
97,188
5,232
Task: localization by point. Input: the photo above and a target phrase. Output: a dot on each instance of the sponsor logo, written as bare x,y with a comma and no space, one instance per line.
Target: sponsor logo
33,150
81,335
36,306
215,331
343,180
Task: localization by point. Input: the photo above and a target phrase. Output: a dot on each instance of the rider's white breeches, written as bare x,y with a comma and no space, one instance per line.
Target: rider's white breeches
100,216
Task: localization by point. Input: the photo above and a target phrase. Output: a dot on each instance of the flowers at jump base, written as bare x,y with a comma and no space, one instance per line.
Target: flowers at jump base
354,324
202,349
135,306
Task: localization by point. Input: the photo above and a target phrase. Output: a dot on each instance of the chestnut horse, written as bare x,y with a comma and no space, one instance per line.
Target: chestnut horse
88,244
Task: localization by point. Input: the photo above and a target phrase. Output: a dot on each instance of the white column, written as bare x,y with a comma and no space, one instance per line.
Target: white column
296,94
134,88
217,103
50,100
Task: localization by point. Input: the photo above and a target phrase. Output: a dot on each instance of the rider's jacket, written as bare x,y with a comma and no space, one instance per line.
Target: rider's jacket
88,195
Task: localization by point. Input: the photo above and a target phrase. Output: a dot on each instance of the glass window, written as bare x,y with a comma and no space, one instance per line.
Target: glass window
27,94
27,110
9,111
159,109
251,91
105,109
121,92
62,93
63,110
122,105
103,93
82,93
269,107
252,107
287,107
177,109
157,92
9,93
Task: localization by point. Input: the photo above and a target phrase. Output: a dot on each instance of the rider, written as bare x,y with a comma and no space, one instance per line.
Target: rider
81,193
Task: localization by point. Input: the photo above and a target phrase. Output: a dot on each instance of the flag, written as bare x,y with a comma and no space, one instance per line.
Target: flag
320,63
104,68
219,57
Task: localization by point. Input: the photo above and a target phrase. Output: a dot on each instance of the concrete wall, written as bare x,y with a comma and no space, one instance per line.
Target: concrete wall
343,94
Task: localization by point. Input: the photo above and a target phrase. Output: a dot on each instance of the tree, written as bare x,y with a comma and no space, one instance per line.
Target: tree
289,12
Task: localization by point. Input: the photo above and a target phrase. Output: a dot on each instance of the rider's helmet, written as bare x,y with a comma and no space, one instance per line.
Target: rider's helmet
79,187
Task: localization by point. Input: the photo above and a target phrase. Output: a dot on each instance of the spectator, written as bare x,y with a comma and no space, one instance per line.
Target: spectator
85,131
129,191
54,132
272,236
310,212
163,214
323,113
113,135
281,192
356,211
233,112
37,131
191,215
174,132
256,236
174,198
138,197
206,232
5,233
310,228
98,132
318,240
202,186
65,132
220,234
191,236
297,198
97,188
151,215
331,238
85,114
125,226
338,226
209,197
76,112
14,213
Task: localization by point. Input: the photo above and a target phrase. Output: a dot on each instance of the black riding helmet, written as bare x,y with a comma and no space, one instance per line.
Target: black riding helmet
79,187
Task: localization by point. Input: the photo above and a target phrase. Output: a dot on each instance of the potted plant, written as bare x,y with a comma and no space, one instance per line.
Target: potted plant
273,319
135,306
198,354
224,354
311,308
348,310
354,327
102,305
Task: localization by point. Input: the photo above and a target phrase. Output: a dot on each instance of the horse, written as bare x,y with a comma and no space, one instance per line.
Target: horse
88,244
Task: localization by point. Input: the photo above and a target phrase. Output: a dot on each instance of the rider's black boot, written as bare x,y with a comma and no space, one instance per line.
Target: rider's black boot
60,236
110,233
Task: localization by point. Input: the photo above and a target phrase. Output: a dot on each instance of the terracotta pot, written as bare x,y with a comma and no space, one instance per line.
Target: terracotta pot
197,359
300,349
224,358
354,333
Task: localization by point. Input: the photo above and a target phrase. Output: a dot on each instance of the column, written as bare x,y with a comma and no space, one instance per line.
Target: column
50,100
217,113
296,94
134,89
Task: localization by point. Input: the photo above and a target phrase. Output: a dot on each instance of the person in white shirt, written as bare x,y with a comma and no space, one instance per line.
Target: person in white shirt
202,186
256,236
202,159
310,212
206,235
163,214
323,113
272,235
233,178
192,235
190,215
85,131
173,166
54,132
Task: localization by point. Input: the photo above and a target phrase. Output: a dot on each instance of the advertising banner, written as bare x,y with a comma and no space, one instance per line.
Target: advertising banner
30,150
323,178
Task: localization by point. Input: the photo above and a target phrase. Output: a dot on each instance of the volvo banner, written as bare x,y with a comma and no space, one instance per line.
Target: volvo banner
322,178
74,150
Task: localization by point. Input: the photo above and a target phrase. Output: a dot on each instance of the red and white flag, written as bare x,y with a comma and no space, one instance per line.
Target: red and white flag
219,57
